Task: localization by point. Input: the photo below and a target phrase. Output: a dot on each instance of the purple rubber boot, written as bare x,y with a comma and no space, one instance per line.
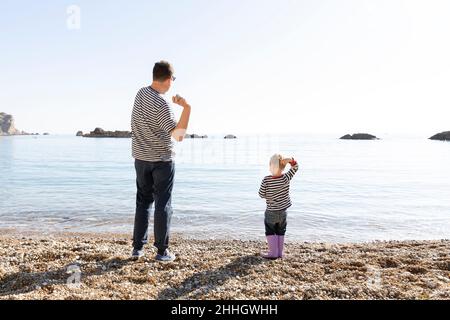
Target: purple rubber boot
280,246
272,242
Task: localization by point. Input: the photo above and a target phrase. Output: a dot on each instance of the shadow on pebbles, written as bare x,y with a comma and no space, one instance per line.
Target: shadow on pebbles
94,266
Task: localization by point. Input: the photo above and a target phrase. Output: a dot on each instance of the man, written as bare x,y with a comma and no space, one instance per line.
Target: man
153,127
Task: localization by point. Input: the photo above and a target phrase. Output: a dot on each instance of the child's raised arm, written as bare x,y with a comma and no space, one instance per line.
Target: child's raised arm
294,167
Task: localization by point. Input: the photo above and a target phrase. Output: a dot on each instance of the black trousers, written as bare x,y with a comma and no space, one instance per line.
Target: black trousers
275,222
154,182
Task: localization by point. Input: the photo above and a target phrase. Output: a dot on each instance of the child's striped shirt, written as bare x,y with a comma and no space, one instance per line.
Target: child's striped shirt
276,189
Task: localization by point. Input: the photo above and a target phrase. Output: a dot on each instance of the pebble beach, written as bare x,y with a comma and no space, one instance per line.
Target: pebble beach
97,266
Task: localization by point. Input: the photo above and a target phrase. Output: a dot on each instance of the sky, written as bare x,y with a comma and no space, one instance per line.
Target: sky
245,66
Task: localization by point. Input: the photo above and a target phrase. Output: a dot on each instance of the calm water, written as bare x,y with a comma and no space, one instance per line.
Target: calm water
395,188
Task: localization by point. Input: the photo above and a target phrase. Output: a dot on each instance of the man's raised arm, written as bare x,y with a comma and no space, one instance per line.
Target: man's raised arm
180,130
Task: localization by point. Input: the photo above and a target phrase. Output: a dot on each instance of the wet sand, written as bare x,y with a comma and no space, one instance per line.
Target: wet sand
97,266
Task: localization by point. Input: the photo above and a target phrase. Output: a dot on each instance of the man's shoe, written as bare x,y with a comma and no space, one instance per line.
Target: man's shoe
136,254
166,257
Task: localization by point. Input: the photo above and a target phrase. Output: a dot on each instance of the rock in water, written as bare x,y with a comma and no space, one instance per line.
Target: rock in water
359,136
7,125
79,133
443,136
195,136
100,133
230,136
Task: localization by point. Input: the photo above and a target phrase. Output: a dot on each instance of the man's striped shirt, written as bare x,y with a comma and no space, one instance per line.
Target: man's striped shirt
152,122
276,189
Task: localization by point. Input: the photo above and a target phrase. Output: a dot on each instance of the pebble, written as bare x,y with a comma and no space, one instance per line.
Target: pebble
431,284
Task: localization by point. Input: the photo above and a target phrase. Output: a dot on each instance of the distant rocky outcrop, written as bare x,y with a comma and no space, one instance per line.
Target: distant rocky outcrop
7,127
100,133
230,136
359,136
195,136
79,133
443,136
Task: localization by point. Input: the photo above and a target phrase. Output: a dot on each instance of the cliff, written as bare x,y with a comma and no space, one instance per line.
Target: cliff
7,127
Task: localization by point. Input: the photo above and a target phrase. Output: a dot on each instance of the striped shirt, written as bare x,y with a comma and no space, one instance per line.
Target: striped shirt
152,122
276,189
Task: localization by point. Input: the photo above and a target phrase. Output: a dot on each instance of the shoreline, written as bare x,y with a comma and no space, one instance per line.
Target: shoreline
18,232
36,266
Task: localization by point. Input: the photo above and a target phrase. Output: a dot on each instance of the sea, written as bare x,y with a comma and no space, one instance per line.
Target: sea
346,191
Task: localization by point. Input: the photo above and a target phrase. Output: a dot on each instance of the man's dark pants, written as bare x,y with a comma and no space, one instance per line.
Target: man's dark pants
154,181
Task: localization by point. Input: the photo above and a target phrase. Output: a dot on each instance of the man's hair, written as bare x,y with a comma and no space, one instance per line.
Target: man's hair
162,71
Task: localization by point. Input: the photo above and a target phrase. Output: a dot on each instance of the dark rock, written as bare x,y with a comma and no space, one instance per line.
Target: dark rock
100,133
359,136
46,134
230,136
443,136
79,133
7,125
195,136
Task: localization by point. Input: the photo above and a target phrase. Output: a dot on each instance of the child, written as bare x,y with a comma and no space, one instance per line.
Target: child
275,189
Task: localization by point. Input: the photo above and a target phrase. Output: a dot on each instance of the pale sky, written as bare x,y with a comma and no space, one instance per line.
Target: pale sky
245,66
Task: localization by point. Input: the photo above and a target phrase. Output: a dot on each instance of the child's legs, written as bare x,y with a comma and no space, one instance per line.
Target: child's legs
281,225
270,222
275,222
